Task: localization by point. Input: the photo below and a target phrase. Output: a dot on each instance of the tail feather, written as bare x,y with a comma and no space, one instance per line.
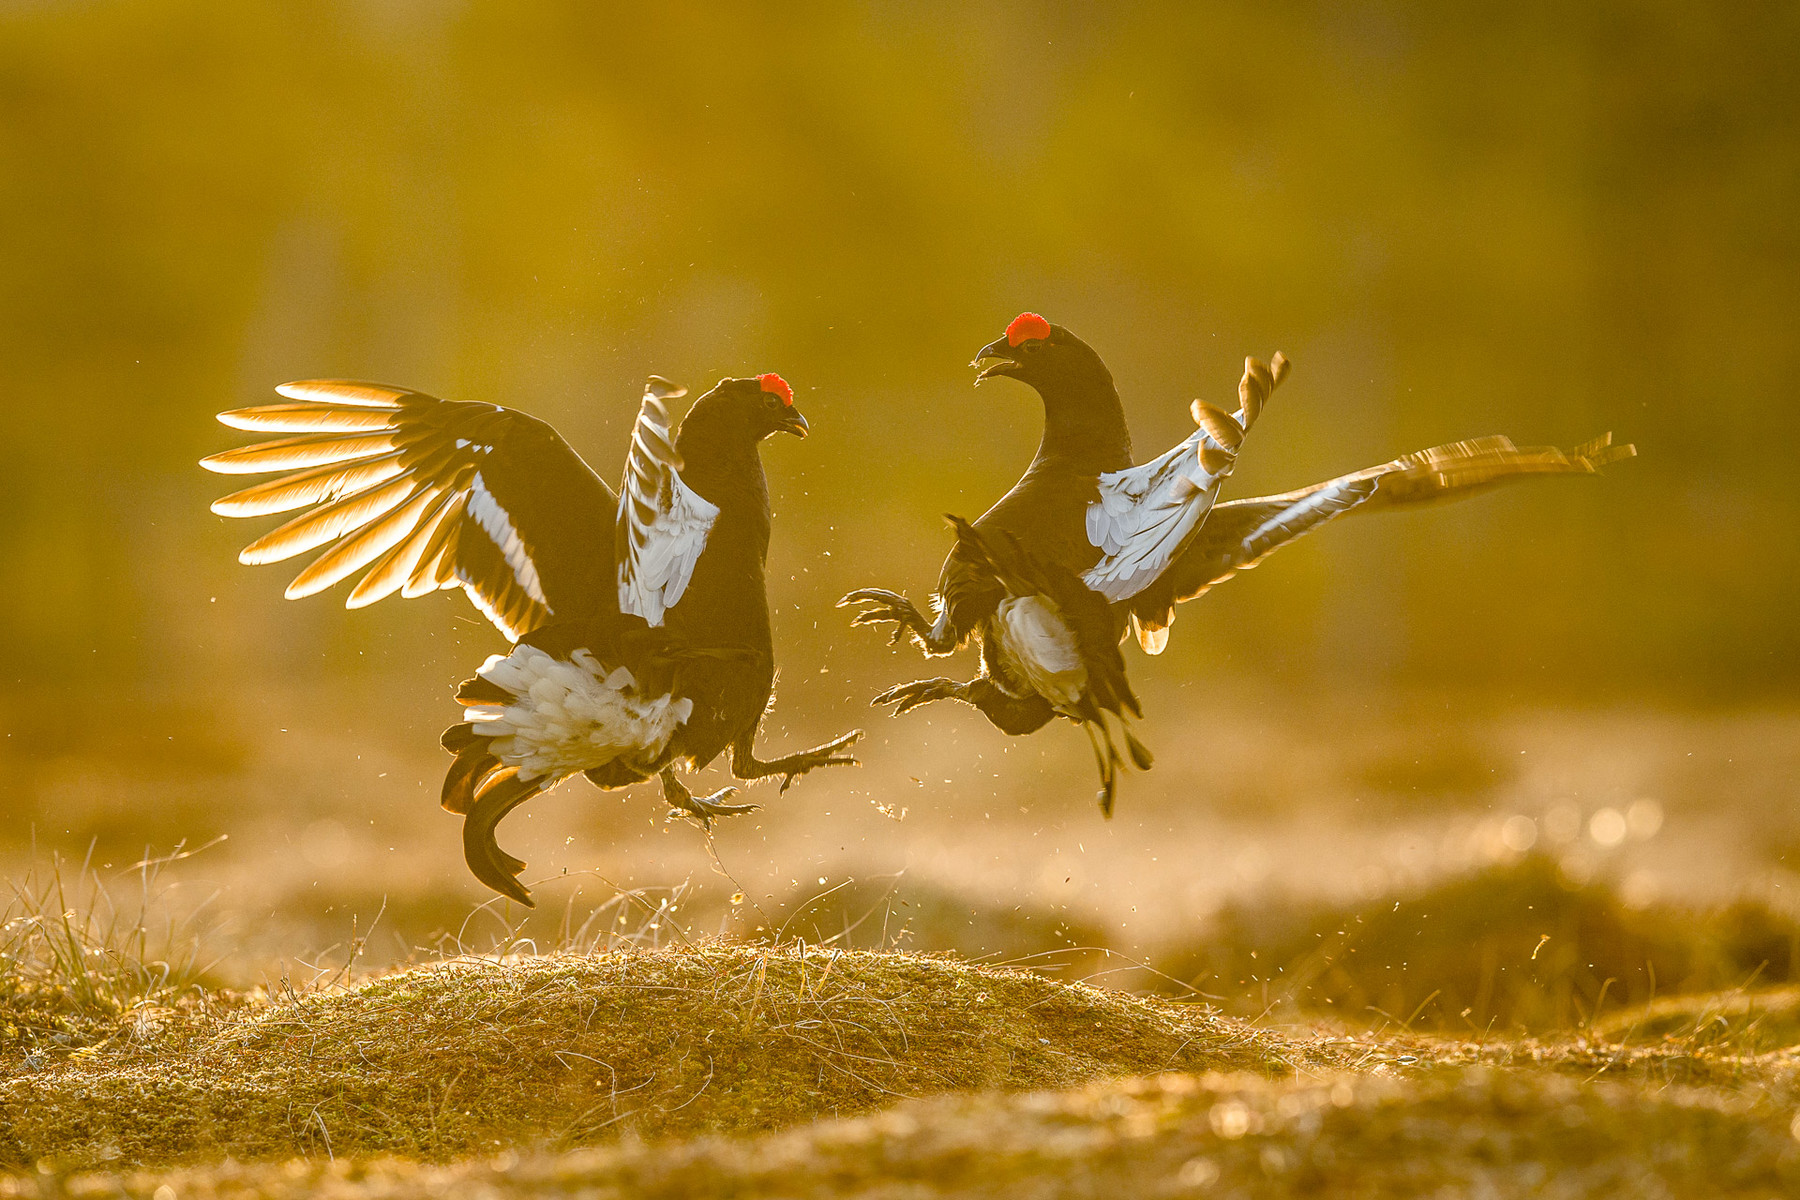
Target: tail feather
458,738
1106,757
1141,758
477,690
464,780
501,792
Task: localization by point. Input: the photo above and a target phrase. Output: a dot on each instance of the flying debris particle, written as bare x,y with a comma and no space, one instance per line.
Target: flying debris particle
1541,942
737,898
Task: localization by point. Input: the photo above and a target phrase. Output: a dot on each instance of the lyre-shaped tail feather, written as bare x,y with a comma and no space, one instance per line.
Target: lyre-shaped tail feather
500,793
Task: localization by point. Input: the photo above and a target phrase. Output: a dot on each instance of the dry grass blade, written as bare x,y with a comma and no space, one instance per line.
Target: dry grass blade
80,951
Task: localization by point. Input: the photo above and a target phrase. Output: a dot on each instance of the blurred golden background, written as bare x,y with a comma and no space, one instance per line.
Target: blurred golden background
1540,220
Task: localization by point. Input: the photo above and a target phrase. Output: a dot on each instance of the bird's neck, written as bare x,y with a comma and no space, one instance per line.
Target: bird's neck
1084,426
727,601
727,471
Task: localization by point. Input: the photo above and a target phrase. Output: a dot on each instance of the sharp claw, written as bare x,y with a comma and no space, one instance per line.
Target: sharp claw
909,696
704,808
870,596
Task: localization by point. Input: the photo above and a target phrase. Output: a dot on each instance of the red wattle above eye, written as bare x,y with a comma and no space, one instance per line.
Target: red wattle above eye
775,385
1027,327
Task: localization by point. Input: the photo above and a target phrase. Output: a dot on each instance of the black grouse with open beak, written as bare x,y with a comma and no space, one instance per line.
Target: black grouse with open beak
1001,359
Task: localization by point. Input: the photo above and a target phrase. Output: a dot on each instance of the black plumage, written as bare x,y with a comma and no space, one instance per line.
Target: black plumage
1132,541
641,618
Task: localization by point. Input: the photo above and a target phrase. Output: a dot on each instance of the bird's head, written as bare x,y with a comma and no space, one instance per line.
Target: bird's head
751,408
1034,351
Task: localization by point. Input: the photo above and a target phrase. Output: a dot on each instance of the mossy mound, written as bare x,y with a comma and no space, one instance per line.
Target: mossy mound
1465,1133
1513,947
471,1056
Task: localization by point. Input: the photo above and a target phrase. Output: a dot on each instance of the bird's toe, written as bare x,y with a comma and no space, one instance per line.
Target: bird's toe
704,808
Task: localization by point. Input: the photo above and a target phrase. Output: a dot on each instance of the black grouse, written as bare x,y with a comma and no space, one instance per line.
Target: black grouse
641,620
1087,547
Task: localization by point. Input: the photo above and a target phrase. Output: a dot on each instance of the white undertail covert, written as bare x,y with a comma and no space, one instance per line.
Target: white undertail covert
1038,645
570,716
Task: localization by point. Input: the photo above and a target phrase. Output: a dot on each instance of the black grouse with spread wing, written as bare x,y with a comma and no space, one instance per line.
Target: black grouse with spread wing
641,620
1087,546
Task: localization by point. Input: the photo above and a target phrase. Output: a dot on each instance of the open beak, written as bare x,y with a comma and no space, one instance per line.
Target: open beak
999,357
793,423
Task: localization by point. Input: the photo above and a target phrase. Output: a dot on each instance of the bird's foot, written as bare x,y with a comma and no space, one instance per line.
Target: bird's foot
880,605
683,803
921,691
796,765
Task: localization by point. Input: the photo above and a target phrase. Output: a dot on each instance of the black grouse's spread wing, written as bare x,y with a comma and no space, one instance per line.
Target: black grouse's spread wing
1240,534
1145,516
662,523
420,494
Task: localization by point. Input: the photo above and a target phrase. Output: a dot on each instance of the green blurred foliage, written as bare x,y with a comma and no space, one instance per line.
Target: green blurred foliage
1544,220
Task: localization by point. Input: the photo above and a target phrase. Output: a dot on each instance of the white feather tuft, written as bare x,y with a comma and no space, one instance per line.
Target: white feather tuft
569,716
1036,643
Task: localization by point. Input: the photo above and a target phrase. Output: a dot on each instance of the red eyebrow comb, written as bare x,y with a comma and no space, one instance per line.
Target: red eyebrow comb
1027,327
775,385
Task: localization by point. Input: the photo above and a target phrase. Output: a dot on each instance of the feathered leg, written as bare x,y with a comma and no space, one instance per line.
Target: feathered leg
1015,715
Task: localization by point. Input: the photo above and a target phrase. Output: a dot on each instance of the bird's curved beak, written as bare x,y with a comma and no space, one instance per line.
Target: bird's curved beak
999,357
793,423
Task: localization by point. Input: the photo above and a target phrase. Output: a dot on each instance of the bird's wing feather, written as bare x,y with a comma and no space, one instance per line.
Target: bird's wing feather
662,523
1241,533
1146,515
419,494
